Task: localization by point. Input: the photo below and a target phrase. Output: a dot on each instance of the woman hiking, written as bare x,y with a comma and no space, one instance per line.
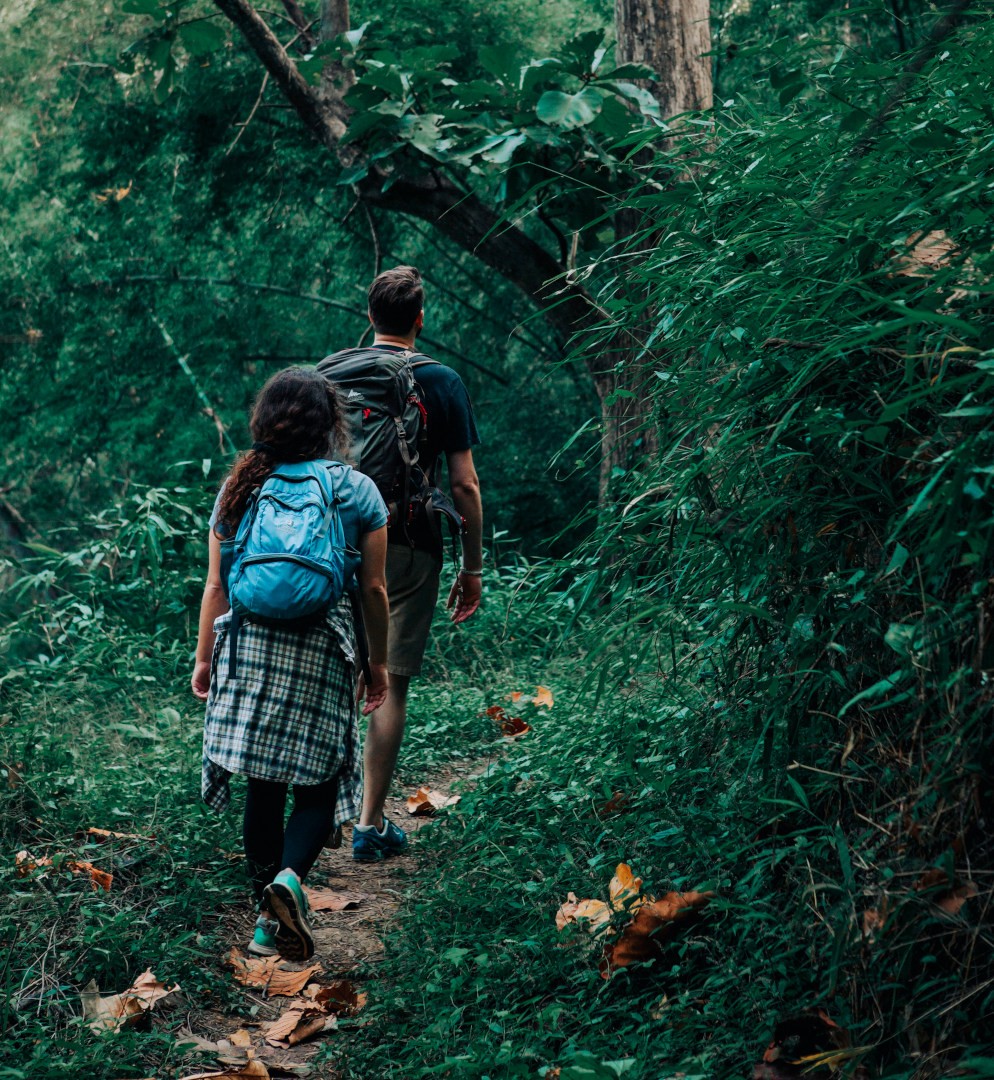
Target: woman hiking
289,715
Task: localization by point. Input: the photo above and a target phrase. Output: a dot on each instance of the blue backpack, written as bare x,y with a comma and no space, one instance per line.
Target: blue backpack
288,564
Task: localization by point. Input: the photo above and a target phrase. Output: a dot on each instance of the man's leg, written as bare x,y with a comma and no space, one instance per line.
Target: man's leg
383,739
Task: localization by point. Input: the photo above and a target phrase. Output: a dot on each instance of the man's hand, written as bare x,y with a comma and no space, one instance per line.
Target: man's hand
200,684
376,693
464,597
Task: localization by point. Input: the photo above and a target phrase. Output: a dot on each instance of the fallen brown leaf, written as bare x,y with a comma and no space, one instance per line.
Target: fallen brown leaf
952,902
25,863
240,1038
270,974
655,925
513,726
592,915
339,996
110,1012
251,1070
802,1043
326,900
425,802
515,696
618,802
299,1022
874,921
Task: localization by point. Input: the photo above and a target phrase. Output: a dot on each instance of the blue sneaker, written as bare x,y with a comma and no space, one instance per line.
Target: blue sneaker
284,897
263,941
369,844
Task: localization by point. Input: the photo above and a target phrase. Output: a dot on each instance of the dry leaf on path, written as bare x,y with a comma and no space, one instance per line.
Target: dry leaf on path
251,1070
425,802
655,925
327,900
543,696
240,1038
270,973
592,915
110,1012
302,1020
339,996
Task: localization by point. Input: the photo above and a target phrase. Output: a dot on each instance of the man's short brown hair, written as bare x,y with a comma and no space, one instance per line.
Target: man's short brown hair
396,298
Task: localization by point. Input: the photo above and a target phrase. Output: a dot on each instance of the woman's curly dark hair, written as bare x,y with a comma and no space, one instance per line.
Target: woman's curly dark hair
297,417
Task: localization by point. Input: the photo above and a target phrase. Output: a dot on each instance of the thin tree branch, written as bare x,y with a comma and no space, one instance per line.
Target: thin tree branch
248,120
377,264
299,19
314,298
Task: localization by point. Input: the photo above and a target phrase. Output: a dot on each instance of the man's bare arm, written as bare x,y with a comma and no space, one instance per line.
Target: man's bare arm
464,596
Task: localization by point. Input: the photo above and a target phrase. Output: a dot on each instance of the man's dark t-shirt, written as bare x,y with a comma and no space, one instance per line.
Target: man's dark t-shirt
451,426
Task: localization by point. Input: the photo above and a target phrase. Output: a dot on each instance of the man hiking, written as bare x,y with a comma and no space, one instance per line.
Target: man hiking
403,453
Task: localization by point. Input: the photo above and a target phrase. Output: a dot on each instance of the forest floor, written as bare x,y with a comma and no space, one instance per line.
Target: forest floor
353,904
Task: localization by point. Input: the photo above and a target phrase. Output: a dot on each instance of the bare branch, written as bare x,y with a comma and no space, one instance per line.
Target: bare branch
299,19
324,115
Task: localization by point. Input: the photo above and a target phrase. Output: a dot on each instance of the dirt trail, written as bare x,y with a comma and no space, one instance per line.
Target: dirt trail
344,940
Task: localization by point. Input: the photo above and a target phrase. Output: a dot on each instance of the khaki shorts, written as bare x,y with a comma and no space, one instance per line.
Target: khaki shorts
412,585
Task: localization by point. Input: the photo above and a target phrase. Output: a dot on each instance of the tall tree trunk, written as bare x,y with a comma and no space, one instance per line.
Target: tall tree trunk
673,37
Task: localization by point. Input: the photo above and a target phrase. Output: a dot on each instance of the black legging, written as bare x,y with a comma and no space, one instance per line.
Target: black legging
269,848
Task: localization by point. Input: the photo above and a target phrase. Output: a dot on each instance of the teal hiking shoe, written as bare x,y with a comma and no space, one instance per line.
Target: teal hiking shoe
263,941
371,845
285,898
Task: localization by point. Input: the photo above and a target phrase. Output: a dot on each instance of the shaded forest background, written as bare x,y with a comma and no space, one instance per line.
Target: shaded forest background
767,622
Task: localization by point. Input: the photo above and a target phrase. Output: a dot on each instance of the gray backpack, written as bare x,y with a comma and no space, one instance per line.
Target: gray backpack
386,419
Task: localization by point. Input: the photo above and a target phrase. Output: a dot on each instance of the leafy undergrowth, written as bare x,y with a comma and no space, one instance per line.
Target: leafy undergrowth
488,974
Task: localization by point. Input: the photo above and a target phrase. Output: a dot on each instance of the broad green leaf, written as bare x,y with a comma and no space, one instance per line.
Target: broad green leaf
569,110
202,37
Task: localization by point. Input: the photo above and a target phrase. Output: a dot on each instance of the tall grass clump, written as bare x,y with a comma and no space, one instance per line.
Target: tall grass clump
808,302
99,732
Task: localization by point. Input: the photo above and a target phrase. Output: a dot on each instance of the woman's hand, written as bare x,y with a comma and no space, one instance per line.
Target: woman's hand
200,684
376,692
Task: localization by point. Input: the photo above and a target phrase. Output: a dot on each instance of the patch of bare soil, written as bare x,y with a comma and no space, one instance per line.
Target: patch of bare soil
346,940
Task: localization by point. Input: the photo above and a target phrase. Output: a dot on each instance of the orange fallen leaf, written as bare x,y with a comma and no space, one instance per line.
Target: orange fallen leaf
107,834
25,863
425,802
270,973
115,194
625,889
655,925
110,1012
515,696
592,915
543,696
100,879
326,900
